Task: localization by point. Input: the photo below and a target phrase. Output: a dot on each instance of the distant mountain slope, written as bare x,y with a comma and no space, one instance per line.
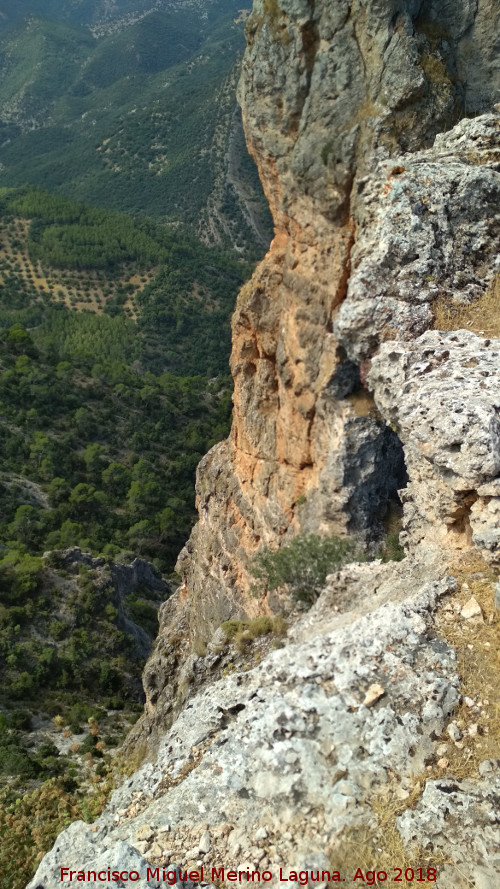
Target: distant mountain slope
105,14
134,111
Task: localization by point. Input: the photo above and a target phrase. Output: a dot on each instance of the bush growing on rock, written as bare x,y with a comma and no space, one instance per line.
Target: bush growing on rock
301,567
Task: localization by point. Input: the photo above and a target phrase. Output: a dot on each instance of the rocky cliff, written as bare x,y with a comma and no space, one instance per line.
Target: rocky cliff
376,222
366,366
340,102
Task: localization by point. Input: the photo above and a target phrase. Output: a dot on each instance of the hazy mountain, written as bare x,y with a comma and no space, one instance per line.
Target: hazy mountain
131,106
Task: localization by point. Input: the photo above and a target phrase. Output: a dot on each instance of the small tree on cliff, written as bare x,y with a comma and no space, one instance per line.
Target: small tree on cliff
301,567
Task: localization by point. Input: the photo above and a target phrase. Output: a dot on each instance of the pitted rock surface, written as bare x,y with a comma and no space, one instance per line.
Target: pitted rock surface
442,393
376,214
290,736
462,815
429,226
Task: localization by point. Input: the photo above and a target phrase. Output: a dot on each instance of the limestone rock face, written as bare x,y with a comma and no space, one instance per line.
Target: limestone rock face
272,766
455,806
442,392
374,218
429,227
291,735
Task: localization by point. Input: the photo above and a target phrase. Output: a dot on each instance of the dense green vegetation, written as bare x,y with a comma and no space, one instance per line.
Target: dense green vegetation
102,422
114,450
115,135
69,234
300,568
137,118
61,634
183,314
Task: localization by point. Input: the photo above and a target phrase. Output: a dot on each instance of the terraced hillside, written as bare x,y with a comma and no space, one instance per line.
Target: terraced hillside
77,289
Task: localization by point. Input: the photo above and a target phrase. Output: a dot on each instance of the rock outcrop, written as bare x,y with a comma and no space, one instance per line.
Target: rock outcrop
442,392
370,235
119,580
384,197
374,219
274,767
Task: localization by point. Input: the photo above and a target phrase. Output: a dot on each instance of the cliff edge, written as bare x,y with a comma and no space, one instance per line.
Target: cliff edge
378,223
366,366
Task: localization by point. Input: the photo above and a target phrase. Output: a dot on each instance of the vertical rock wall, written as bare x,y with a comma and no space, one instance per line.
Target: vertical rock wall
331,93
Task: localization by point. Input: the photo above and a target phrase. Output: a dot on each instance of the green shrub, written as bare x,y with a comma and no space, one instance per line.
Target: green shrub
143,614
57,629
89,746
20,720
301,567
17,762
392,551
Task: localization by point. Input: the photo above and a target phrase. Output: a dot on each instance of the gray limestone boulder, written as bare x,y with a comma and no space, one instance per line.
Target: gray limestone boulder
429,226
442,394
304,730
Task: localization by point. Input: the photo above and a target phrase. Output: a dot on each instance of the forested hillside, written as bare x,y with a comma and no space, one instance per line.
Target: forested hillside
114,345
108,409
131,106
130,216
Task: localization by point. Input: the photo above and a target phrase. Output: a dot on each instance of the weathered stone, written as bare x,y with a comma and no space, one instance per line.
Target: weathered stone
260,834
205,843
441,392
458,818
374,693
426,218
145,833
78,845
120,580
365,241
297,714
454,732
487,767
471,609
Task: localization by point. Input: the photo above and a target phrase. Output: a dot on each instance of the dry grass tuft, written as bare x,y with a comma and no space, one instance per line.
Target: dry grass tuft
126,765
243,632
381,848
272,10
363,404
477,644
200,647
434,69
481,317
